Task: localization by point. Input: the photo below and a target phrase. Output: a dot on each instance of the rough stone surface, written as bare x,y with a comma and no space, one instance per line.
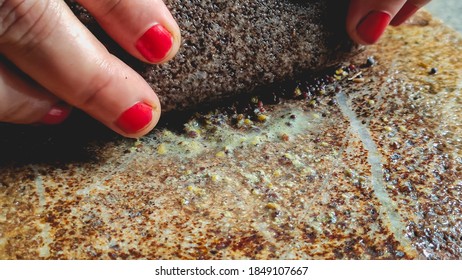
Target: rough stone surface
369,171
232,46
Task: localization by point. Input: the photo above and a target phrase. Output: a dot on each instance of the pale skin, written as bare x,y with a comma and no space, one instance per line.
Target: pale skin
40,40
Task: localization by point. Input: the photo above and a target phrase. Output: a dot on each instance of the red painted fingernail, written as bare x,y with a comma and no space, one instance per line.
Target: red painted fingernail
406,12
135,118
57,114
155,44
372,26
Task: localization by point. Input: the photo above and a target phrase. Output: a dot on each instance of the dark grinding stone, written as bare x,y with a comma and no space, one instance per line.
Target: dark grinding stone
232,47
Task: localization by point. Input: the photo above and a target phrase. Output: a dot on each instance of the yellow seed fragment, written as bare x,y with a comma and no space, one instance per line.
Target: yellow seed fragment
162,149
288,156
167,133
248,122
272,205
215,178
255,141
262,117
277,173
196,190
402,128
298,91
220,154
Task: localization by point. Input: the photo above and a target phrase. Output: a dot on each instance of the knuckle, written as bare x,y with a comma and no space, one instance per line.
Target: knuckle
107,8
23,22
92,93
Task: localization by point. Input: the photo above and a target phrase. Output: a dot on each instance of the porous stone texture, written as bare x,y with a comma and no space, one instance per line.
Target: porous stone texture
232,47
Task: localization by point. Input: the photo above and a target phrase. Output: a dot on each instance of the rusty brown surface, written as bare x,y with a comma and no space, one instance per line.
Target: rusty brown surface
373,171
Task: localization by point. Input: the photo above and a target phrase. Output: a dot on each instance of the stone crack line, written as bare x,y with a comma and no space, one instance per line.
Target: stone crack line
329,174
44,250
99,184
387,208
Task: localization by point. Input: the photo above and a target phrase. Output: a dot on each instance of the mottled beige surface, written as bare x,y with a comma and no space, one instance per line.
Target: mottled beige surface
370,172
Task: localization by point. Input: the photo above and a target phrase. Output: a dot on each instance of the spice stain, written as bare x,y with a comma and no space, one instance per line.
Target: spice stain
362,162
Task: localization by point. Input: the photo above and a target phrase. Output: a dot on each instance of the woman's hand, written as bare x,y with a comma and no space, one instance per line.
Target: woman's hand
368,19
50,62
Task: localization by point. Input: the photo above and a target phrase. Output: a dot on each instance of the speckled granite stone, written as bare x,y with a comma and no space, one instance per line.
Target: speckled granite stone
233,46
371,170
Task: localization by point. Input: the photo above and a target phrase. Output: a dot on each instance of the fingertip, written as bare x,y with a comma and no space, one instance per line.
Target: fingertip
154,121
372,26
175,31
367,20
138,120
408,10
158,44
144,28
57,114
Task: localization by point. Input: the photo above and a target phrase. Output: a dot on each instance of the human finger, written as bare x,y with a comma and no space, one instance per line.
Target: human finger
367,20
47,42
24,102
144,28
409,9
